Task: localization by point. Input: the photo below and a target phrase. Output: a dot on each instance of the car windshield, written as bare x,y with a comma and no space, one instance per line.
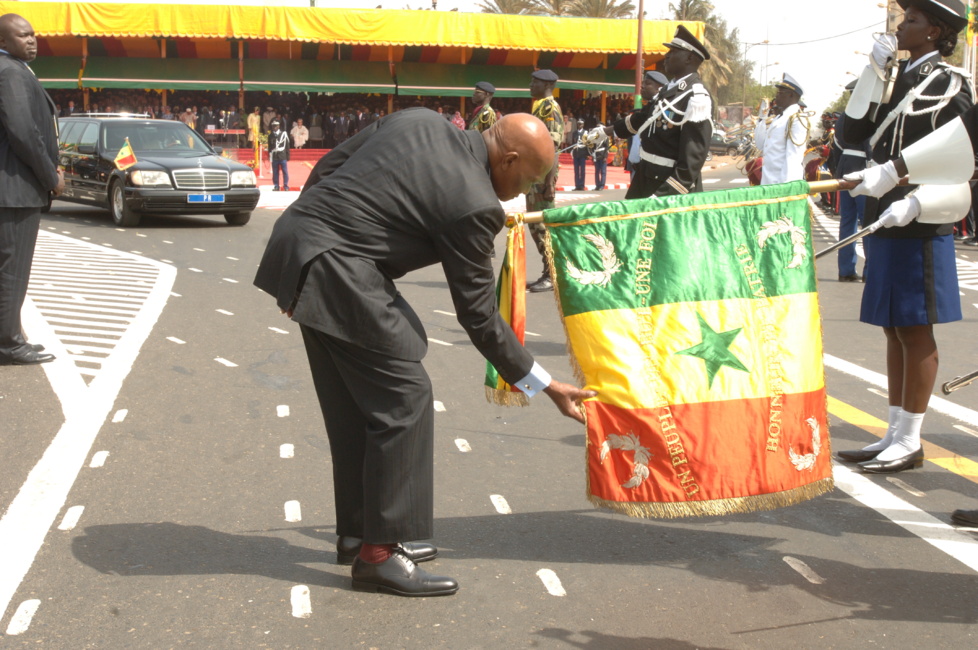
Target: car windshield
173,138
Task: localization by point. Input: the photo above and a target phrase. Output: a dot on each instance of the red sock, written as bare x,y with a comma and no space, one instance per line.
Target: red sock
376,553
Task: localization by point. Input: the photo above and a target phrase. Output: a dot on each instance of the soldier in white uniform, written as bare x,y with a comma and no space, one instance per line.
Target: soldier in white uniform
783,136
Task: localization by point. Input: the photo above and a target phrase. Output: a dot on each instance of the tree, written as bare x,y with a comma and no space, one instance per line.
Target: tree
552,7
506,6
602,8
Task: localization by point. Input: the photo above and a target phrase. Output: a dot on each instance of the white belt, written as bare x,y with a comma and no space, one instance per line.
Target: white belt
854,152
657,160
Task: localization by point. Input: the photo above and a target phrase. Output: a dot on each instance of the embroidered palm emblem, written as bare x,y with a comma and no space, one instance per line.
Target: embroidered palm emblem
713,350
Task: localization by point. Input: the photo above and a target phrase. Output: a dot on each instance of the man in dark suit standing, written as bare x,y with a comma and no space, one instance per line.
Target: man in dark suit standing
362,220
29,176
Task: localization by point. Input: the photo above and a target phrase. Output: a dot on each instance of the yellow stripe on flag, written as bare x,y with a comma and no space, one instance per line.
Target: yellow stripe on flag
628,351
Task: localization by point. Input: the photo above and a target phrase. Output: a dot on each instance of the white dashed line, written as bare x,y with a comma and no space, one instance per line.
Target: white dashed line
286,451
446,343
439,407
301,605
194,270
200,250
961,427
223,361
72,515
710,181
230,280
528,333
139,234
293,512
175,340
463,445
119,416
278,331
282,410
445,313
499,501
739,181
175,294
805,570
551,582
165,241
905,486
21,620
225,312
98,459
233,258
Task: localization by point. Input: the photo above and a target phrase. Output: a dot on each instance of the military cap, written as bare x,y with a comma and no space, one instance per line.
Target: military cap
684,40
788,82
545,75
657,77
485,86
950,11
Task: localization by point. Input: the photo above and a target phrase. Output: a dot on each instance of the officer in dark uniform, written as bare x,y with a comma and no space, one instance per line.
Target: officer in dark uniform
541,196
483,115
675,128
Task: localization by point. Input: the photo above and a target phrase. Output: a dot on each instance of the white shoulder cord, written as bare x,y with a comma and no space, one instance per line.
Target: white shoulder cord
904,109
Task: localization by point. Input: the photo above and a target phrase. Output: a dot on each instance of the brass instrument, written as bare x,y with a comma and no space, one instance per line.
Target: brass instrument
959,382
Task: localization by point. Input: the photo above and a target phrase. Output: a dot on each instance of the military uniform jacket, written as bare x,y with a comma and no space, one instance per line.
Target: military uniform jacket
369,214
908,126
675,130
782,141
483,118
28,138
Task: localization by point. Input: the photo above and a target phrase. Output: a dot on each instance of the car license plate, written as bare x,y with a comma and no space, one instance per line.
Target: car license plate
205,198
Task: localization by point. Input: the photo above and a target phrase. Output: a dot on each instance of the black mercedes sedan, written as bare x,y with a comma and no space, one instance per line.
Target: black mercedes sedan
166,169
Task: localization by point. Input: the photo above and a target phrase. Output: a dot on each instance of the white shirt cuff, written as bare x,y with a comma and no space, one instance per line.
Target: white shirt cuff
533,383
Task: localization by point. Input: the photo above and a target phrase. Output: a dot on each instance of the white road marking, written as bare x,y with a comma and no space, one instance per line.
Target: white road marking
439,407
882,393
166,241
232,281
293,512
963,548
119,416
286,451
463,445
440,342
739,181
233,258
805,570
278,331
936,403
225,362
906,487
139,234
301,605
225,312
175,340
710,181
551,582
120,230
72,515
499,501
445,313
175,295
970,432
529,333
21,620
98,459
200,250
194,270
282,410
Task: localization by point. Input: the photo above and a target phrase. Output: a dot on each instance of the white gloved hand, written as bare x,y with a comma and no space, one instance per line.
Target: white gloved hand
874,181
901,213
884,49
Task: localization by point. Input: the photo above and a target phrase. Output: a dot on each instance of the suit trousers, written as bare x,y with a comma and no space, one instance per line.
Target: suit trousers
851,209
18,236
379,415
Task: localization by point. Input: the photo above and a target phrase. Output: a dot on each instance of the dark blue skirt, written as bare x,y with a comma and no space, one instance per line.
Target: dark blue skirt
910,282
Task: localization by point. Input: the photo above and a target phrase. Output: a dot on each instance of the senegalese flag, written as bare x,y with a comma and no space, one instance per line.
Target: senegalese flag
126,157
696,320
511,298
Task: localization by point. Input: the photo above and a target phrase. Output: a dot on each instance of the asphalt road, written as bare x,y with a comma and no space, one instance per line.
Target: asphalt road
166,482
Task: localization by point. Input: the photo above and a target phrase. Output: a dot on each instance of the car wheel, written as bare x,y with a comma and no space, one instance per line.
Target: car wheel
709,155
122,214
731,151
237,218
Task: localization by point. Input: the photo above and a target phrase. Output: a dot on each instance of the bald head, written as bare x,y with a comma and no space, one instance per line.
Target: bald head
521,152
17,37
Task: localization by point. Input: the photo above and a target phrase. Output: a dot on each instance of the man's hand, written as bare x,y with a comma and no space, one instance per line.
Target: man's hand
874,181
60,187
900,213
568,398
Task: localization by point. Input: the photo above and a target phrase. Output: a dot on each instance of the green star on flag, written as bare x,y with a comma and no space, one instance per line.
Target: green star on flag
713,349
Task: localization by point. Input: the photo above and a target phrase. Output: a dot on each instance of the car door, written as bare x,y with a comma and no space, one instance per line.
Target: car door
67,144
85,168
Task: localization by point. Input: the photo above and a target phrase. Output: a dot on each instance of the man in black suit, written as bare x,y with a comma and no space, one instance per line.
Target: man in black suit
29,175
363,219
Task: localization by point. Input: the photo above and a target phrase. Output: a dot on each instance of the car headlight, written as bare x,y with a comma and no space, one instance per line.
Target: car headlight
246,179
150,179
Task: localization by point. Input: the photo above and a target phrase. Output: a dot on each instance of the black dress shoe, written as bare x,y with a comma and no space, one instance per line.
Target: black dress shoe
858,455
912,460
400,576
965,518
348,548
541,285
850,278
28,358
37,347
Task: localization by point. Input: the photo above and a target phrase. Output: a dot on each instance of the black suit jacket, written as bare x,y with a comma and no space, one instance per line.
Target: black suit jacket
408,191
28,138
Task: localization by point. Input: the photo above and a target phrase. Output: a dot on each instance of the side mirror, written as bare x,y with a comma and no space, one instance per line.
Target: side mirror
86,149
